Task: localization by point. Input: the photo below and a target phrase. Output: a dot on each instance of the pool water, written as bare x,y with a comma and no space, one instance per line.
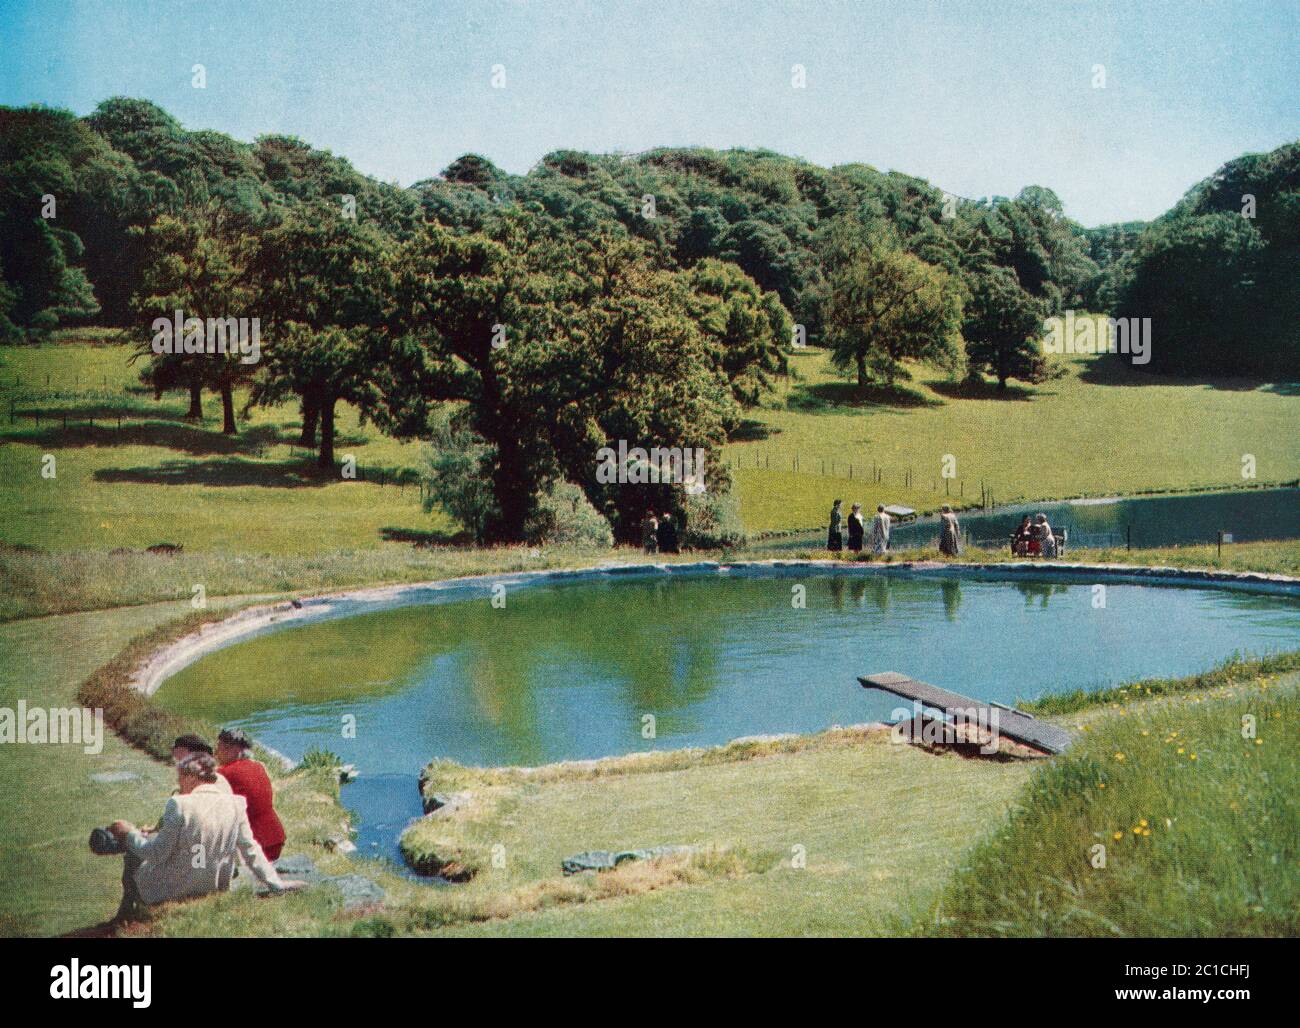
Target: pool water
598,667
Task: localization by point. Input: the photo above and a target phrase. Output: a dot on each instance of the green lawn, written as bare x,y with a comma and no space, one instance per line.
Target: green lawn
1097,431
1198,817
157,478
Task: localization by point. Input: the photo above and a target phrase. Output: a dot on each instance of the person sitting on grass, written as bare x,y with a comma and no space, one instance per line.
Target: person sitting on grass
248,778
186,745
196,848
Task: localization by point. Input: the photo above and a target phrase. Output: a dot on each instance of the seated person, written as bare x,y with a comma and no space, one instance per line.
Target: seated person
185,745
1034,548
1020,541
248,778
197,846
1049,537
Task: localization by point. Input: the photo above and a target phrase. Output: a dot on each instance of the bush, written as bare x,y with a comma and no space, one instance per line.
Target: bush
457,481
565,517
713,522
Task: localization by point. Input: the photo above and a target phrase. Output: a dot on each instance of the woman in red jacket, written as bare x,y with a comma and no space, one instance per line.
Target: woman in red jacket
249,779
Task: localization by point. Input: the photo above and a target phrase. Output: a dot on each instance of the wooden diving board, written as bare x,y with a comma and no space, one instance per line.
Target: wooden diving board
1012,723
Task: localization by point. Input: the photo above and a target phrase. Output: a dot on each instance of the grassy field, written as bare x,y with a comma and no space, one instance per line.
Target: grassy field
1100,430
157,478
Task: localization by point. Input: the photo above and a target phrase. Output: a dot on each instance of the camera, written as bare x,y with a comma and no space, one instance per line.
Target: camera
105,843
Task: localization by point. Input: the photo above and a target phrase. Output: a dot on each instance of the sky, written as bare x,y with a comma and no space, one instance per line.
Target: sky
979,98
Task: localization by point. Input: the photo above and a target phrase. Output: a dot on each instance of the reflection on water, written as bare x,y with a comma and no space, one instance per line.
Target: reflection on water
570,670
1152,521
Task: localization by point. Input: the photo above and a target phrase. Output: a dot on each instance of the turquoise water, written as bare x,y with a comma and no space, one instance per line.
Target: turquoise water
576,670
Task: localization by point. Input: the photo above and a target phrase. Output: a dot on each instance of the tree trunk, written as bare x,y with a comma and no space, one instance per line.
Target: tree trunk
513,490
326,458
310,415
862,370
228,409
196,402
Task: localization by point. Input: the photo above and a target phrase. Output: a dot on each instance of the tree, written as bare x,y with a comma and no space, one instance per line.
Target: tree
555,346
324,280
193,263
750,329
1001,328
883,306
40,153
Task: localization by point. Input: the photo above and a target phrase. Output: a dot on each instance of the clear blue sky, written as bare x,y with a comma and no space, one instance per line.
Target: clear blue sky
980,98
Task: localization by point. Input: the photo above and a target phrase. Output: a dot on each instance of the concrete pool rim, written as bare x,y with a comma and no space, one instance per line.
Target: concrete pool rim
245,624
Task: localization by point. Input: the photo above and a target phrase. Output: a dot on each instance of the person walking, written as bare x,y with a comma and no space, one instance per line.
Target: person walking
880,531
835,537
949,533
856,528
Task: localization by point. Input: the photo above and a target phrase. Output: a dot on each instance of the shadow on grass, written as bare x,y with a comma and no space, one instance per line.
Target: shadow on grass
223,472
187,438
980,389
422,540
834,397
1116,370
751,431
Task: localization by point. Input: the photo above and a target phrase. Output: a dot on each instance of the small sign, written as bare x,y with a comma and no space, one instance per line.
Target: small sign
1227,537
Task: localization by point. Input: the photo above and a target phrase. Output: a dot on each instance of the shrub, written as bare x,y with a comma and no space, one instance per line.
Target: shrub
456,478
565,517
713,522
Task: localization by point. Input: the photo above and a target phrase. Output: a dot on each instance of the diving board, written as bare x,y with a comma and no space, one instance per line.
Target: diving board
1010,722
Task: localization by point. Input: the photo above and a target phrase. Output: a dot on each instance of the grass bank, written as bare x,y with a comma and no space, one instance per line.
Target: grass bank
1174,816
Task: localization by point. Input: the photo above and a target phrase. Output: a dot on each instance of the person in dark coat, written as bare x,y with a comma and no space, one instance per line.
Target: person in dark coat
856,528
835,537
1020,541
667,533
650,532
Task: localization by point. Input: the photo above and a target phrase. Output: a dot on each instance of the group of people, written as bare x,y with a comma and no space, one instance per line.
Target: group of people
659,534
222,813
1034,538
878,540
